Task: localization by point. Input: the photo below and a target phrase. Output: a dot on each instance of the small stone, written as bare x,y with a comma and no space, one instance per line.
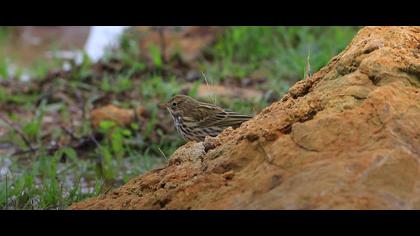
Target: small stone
208,146
229,175
193,75
210,143
171,185
246,82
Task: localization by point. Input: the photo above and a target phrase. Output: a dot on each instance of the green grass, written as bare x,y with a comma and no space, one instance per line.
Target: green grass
45,180
279,52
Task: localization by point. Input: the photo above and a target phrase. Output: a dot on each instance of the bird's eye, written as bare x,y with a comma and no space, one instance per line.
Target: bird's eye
173,104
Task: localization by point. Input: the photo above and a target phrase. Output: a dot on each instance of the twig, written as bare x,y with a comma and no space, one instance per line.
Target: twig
162,43
100,157
50,149
35,149
17,153
92,137
18,130
69,132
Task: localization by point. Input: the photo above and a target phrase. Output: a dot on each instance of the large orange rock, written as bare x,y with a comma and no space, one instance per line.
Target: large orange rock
346,138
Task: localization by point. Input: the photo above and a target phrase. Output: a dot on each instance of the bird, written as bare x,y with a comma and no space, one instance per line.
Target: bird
194,120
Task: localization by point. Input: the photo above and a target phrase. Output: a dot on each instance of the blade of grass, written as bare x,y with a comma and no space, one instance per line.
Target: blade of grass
163,154
207,84
6,197
308,65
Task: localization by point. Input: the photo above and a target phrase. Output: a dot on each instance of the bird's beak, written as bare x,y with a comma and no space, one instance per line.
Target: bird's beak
163,106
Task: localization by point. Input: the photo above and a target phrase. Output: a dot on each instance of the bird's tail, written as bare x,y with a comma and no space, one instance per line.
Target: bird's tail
236,119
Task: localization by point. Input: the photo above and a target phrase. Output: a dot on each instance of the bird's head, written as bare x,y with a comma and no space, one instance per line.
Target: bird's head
181,105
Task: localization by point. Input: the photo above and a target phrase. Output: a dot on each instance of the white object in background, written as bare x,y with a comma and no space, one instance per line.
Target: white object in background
100,38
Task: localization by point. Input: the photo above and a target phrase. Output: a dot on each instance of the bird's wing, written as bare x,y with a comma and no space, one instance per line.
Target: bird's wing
216,116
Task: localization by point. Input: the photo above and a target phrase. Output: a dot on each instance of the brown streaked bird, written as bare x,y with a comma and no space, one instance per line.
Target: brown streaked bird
195,120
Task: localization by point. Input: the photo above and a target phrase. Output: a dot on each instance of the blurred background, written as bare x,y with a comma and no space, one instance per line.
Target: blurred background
79,106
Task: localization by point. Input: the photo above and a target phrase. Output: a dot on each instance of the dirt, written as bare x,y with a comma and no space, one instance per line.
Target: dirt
348,137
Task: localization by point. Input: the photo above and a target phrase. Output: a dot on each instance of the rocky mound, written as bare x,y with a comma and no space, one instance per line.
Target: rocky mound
346,138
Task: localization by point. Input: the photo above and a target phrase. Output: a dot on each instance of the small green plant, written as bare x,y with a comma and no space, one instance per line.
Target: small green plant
156,56
105,83
123,83
85,67
4,68
32,128
40,69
